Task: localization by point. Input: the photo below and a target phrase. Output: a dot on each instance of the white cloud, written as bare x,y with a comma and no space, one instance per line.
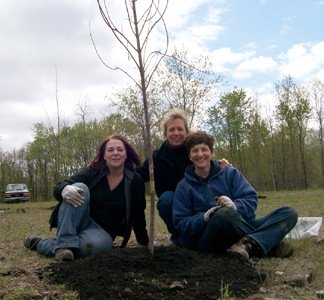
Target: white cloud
36,39
182,13
225,58
318,52
267,102
194,24
302,60
320,75
258,64
241,65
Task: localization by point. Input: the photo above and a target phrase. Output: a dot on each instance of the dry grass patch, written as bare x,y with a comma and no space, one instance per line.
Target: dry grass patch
20,276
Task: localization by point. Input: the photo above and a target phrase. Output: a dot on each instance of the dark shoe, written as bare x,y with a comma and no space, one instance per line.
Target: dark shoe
283,250
242,248
31,241
64,254
246,247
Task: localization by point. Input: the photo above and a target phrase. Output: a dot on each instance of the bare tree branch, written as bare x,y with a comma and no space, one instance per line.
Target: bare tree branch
108,66
146,18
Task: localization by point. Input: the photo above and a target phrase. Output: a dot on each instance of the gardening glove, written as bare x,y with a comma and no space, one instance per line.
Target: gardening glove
73,195
209,213
224,201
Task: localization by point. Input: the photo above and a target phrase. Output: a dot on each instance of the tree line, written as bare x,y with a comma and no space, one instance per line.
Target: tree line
278,150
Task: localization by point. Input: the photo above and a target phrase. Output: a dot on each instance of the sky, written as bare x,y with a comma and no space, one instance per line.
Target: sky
47,56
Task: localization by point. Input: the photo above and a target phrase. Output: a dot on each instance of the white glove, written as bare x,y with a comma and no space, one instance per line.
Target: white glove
73,195
209,213
224,201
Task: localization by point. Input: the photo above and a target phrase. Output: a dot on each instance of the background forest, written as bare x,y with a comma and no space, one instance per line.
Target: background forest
282,149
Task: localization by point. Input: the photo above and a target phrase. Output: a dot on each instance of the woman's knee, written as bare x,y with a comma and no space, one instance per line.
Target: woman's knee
165,200
225,214
85,189
290,214
97,243
225,218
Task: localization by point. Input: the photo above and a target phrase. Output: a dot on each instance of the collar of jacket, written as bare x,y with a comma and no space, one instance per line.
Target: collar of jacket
214,170
166,148
103,171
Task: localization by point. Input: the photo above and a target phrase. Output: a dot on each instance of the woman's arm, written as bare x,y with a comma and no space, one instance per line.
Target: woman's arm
243,194
186,220
81,176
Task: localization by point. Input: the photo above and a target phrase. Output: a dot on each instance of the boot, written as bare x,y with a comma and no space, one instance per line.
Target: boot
31,241
283,250
246,247
64,254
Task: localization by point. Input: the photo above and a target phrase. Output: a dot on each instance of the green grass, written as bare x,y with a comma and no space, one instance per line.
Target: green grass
20,294
308,203
18,220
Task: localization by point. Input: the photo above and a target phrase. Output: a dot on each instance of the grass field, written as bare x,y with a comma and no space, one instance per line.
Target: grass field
298,277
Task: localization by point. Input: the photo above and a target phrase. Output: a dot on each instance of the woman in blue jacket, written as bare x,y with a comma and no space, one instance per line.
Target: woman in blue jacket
214,209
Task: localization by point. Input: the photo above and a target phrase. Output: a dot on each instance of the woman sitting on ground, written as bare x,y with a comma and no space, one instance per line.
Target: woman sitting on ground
214,209
97,204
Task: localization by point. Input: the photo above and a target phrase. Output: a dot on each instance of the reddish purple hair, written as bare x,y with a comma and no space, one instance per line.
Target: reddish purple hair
132,160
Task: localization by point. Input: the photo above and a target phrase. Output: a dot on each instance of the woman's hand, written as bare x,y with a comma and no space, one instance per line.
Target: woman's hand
224,163
224,201
73,195
210,212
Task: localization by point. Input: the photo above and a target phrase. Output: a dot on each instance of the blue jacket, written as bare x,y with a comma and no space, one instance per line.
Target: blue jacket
194,196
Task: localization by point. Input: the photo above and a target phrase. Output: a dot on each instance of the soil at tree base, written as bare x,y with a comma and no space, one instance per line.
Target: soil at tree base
171,273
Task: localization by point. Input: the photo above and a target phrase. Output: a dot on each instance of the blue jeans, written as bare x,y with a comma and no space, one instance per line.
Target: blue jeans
164,207
76,230
226,227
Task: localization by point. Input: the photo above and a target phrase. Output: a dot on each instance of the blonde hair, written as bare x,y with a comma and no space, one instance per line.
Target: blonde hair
172,114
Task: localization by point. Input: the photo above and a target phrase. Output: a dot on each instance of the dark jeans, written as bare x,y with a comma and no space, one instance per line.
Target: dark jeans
164,207
226,227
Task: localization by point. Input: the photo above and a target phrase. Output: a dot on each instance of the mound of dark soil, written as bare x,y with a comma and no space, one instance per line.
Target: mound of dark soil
172,273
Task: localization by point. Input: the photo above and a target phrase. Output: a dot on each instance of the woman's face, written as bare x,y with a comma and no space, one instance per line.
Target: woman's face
176,132
201,155
115,154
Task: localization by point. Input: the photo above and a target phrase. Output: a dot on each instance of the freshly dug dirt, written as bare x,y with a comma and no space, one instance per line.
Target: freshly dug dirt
172,273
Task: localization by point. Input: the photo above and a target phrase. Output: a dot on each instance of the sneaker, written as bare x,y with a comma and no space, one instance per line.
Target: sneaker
64,254
31,241
283,250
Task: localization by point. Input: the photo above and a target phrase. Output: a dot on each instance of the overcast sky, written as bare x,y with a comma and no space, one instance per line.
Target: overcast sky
253,43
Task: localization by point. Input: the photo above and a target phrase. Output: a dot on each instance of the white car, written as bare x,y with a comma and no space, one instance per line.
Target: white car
16,192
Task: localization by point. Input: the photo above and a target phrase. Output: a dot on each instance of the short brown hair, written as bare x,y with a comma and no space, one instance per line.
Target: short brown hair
174,113
199,137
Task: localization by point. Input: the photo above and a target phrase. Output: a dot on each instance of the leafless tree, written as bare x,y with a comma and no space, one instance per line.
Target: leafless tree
317,96
144,18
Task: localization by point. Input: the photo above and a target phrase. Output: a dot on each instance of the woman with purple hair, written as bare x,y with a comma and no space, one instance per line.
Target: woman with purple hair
97,204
